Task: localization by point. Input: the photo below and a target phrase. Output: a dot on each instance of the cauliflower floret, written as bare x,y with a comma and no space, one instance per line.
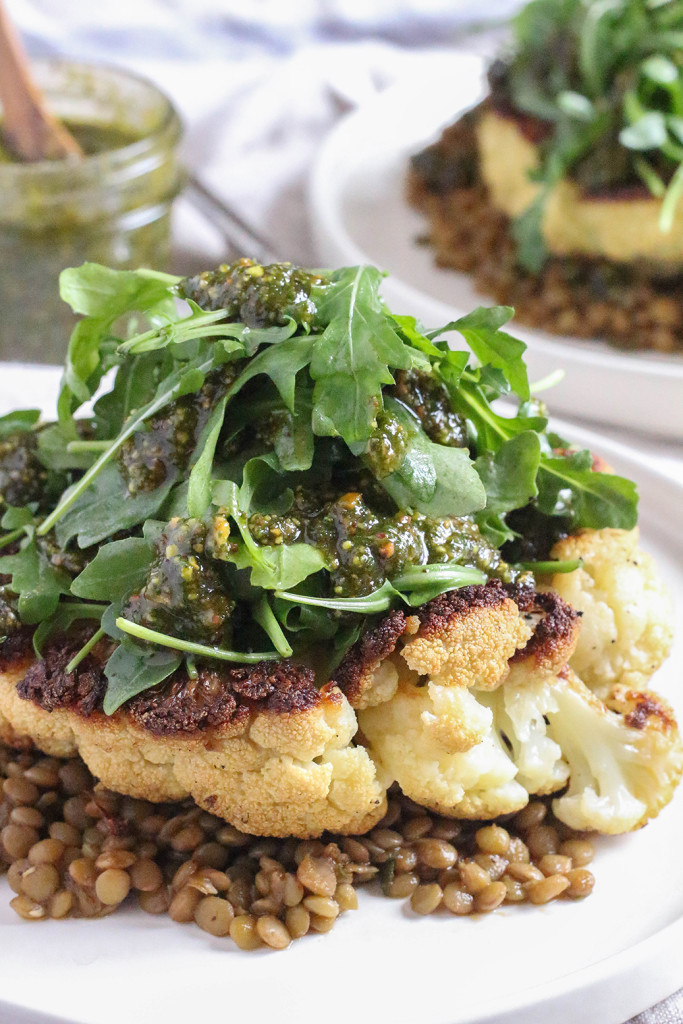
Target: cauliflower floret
627,614
625,757
423,739
468,644
519,709
622,760
289,774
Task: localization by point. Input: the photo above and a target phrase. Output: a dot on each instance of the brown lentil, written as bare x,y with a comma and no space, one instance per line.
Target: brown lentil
548,888
17,840
581,883
112,886
493,839
273,932
555,864
243,932
298,921
322,924
457,900
489,898
436,853
20,791
473,877
321,906
542,839
29,816
317,875
214,915
426,898
402,885
580,851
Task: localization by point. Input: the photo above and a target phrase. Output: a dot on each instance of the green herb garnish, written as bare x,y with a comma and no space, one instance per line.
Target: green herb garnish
249,491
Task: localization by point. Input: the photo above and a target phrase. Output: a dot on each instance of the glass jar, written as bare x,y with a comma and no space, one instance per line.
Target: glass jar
113,206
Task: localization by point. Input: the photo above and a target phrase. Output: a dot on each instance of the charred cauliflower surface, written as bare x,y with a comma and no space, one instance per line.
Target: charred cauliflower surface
473,702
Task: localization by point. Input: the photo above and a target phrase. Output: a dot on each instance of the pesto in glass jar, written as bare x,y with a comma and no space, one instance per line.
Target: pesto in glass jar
113,206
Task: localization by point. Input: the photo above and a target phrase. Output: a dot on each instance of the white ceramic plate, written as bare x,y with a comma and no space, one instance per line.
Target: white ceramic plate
600,961
359,215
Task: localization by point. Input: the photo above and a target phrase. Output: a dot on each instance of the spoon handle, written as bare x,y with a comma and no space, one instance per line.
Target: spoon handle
28,127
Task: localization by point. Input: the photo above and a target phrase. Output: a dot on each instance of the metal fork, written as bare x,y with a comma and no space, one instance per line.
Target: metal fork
240,236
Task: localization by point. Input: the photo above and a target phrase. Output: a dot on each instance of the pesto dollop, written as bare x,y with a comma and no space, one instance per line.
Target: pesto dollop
255,294
183,594
364,547
22,475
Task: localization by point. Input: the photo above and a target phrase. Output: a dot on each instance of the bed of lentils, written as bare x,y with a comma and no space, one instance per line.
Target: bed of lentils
74,849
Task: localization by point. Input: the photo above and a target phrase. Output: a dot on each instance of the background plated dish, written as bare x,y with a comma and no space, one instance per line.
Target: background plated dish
360,215
601,961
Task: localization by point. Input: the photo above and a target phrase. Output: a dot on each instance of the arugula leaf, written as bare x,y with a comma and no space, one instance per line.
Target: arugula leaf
106,508
20,420
38,583
118,569
417,585
98,291
567,485
352,359
489,428
281,363
199,484
67,613
104,295
509,474
432,478
278,567
493,347
134,386
15,516
293,438
183,381
53,448
132,669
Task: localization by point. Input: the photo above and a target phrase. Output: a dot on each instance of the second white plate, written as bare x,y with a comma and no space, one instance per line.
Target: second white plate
360,215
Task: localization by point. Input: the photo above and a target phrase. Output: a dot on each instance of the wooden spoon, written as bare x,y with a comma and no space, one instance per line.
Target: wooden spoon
30,130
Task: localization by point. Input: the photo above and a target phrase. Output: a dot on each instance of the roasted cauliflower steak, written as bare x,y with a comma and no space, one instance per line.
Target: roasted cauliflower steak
473,703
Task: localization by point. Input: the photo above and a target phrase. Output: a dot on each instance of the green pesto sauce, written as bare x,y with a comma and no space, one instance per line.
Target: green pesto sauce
9,616
163,448
22,476
92,138
184,594
387,446
256,294
429,400
363,548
